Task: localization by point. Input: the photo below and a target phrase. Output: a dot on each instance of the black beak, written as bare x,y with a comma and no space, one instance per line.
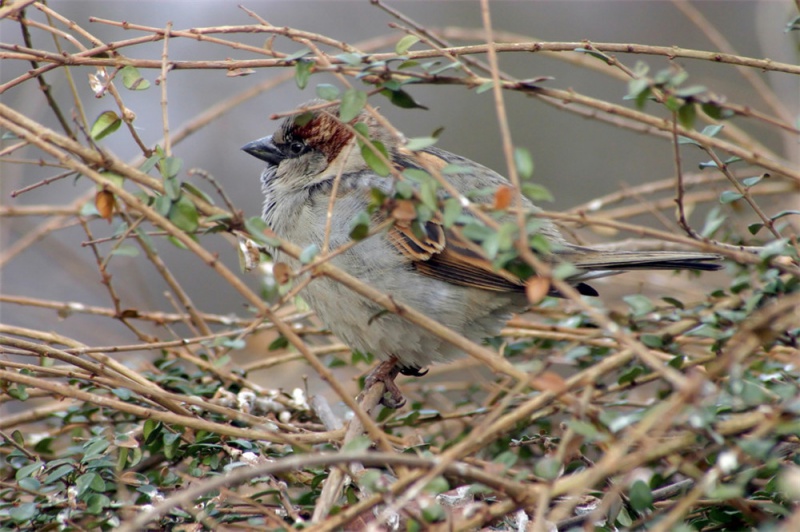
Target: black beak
265,150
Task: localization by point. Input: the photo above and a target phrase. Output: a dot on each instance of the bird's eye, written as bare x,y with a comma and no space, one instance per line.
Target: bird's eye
296,147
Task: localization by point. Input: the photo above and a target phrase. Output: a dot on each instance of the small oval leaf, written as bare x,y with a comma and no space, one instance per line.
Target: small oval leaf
133,80
353,101
105,124
104,203
405,43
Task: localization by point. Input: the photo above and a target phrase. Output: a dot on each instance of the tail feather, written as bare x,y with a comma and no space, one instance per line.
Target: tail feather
645,260
594,263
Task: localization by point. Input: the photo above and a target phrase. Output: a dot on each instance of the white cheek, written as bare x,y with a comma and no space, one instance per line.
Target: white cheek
348,161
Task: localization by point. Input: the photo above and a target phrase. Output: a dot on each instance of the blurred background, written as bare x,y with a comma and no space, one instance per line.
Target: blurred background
576,159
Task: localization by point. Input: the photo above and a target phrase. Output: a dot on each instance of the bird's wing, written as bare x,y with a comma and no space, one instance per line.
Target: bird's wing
440,253
445,255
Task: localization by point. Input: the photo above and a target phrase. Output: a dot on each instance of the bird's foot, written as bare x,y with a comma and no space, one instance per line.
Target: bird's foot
386,372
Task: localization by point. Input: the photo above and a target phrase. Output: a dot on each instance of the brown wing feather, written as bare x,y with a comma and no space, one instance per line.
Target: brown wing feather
443,255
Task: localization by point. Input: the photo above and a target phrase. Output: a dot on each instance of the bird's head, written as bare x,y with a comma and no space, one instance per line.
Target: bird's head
314,145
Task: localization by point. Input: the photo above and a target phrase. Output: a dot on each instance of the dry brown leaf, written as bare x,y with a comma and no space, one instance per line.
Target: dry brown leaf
249,254
537,288
404,211
282,272
502,197
549,381
236,72
104,202
130,478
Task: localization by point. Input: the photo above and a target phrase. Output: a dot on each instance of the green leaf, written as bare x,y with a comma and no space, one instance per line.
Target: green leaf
402,99
308,254
455,65
255,227
784,213
641,496
642,97
623,518
427,193
729,196
674,302
639,304
452,169
536,192
358,444
97,503
105,124
302,71
476,231
353,101
133,80
452,210
123,393
281,342
150,427
19,392
564,270
170,167
711,131
506,234
507,459
714,220
547,468
596,54
94,449
328,92
672,103
150,163
405,43
29,470
491,245
349,58
297,55
652,340
191,189
24,512
637,86
484,87
433,513
437,485
89,481
692,90
172,188
524,162
30,483
420,143
172,442
715,111
404,190
586,429
359,226
755,228
687,114
59,473
372,159
407,64
752,181
184,215
417,175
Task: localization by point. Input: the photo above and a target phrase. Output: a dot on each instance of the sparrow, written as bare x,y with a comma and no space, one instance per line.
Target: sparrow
422,263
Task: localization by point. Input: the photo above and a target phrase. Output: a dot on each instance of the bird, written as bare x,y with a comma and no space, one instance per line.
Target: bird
420,261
